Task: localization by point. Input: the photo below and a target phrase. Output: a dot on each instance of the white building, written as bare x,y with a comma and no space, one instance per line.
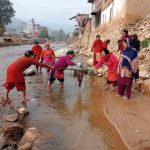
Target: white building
118,11
82,20
32,28
29,27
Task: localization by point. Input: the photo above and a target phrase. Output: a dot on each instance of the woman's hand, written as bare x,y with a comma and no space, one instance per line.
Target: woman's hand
94,70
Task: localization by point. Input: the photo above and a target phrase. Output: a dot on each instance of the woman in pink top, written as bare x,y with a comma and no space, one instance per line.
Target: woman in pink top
57,71
110,60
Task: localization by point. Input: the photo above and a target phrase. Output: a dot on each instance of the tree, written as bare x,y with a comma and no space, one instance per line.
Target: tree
59,35
6,12
43,32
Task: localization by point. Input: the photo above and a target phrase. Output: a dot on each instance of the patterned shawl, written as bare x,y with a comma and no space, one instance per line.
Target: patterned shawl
130,60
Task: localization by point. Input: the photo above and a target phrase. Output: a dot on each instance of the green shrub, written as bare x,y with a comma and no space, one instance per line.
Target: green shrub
145,43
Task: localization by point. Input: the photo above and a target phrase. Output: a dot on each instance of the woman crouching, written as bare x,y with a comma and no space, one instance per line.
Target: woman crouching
110,60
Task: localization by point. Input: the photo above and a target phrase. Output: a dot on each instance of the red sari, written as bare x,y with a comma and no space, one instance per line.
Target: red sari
97,48
48,56
111,62
15,71
37,50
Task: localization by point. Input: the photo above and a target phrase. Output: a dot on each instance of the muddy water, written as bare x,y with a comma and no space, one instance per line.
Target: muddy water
69,119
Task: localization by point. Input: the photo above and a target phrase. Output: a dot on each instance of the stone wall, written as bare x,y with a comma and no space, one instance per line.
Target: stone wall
136,9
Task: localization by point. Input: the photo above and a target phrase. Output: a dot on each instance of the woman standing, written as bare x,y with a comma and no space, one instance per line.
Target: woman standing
97,49
110,60
37,50
57,70
127,69
48,55
15,76
125,36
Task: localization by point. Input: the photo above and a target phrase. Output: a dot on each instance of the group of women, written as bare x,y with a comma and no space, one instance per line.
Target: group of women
121,72
39,58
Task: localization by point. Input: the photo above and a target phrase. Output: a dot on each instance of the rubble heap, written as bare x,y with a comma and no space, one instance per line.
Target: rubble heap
16,135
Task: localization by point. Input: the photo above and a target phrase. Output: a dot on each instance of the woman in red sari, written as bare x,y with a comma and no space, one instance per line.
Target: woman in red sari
37,50
110,60
48,56
15,76
97,49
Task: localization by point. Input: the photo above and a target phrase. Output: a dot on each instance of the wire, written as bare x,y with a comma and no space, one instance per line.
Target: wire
55,12
80,8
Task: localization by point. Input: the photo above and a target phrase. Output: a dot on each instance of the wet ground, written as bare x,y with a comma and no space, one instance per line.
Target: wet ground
69,119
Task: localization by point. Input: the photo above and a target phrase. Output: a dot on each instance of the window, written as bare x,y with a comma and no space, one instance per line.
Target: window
111,14
98,18
103,18
93,7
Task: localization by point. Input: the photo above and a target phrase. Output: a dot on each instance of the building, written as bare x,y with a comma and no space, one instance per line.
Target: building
36,30
32,28
29,27
82,20
117,11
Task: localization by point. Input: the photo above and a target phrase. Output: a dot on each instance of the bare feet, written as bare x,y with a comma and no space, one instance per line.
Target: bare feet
6,98
24,103
125,97
5,101
48,88
62,85
107,88
118,95
105,84
112,90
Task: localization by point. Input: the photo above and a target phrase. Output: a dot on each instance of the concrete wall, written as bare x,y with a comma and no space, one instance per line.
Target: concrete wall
1,39
128,11
125,12
95,7
115,11
93,23
107,14
119,9
136,9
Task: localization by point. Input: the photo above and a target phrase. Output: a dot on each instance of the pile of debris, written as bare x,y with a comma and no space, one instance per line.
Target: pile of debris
144,71
142,28
13,129
15,134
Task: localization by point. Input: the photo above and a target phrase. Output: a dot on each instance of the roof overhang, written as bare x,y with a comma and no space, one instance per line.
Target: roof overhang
91,1
93,13
85,15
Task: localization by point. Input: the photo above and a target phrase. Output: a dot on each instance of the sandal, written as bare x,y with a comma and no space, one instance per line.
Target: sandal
5,101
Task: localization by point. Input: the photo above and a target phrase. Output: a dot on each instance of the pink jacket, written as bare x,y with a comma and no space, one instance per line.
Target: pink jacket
63,62
111,63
